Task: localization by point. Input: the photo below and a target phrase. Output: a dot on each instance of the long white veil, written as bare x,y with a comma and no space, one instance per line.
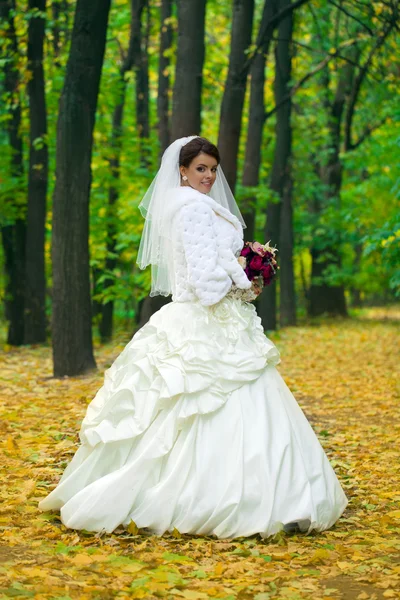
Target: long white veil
158,206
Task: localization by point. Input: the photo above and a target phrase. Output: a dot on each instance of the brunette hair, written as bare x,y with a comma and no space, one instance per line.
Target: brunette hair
195,147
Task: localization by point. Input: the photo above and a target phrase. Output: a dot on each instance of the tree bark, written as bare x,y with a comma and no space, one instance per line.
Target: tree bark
107,310
35,300
141,67
56,10
13,234
279,227
60,17
252,161
287,313
186,103
267,303
233,121
325,298
13,240
163,76
72,328
190,41
235,88
148,307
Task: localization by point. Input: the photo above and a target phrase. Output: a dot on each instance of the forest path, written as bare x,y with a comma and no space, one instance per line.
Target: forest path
345,376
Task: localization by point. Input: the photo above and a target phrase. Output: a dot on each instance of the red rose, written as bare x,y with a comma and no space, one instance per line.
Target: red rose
246,251
250,273
256,263
267,272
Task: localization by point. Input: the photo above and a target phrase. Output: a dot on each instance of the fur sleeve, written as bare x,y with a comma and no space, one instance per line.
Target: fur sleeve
209,280
233,268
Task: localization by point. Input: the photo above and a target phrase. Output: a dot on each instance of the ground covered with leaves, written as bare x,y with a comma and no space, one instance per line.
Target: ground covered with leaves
345,376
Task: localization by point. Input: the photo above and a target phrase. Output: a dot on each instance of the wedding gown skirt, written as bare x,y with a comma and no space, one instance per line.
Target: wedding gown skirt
194,428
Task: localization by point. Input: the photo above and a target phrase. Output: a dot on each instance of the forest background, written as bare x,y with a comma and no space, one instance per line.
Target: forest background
301,98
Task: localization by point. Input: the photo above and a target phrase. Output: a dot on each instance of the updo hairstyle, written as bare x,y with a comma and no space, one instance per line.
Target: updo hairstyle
195,147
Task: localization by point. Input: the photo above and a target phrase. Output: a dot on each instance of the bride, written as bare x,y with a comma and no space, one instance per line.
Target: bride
194,428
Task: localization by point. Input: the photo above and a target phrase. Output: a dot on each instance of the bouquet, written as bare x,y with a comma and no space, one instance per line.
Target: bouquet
260,265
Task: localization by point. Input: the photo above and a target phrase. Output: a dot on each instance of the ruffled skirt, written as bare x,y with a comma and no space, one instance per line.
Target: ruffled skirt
195,429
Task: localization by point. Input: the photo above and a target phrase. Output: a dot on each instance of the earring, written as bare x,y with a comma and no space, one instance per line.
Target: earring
184,178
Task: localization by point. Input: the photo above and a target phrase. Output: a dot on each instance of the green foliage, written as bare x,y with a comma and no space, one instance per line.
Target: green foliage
361,224
386,244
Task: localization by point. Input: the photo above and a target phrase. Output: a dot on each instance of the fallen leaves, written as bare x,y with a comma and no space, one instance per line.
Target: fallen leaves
343,376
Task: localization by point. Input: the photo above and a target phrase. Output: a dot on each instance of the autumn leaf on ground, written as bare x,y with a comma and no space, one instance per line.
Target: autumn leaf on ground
344,376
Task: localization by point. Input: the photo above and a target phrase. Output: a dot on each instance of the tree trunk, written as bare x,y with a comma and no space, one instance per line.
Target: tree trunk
35,300
13,234
324,297
267,302
13,239
56,11
72,327
287,313
186,104
252,163
279,214
188,31
235,88
356,300
60,17
107,310
141,67
163,76
287,306
149,306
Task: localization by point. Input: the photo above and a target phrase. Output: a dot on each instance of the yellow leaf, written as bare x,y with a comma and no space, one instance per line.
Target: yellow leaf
189,594
139,593
394,513
34,572
176,533
12,445
131,568
27,489
343,565
219,569
82,560
133,528
390,594
321,554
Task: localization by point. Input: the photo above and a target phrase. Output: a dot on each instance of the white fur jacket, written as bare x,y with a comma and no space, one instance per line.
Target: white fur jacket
207,239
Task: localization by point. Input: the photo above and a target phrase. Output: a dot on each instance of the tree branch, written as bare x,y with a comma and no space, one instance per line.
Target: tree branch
366,133
349,14
362,74
316,51
321,65
267,29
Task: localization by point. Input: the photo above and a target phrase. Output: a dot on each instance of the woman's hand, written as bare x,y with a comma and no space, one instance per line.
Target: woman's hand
247,295
256,286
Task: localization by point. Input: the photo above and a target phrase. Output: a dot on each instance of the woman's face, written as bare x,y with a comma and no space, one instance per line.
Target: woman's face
201,173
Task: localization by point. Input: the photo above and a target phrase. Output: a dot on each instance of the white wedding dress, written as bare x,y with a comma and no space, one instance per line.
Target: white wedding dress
195,429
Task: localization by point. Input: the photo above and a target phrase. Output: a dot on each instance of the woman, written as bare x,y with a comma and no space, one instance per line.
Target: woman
194,428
